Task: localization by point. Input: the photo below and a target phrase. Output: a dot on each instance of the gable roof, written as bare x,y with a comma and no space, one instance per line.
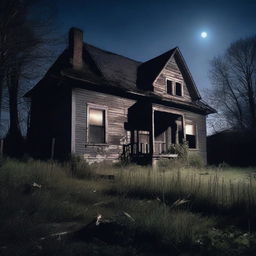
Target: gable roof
151,69
187,75
105,69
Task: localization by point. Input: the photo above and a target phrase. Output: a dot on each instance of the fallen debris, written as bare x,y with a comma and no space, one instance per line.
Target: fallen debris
30,188
179,202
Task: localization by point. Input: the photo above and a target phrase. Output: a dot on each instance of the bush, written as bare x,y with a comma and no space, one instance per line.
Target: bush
180,149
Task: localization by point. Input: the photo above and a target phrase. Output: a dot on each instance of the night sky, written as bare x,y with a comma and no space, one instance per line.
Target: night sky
143,29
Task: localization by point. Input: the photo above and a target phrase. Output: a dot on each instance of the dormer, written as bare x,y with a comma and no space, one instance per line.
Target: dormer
168,76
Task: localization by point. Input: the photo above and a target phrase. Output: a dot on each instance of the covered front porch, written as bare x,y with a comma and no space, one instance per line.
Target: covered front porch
152,130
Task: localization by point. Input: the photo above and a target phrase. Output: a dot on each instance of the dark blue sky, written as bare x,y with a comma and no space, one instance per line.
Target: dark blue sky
143,29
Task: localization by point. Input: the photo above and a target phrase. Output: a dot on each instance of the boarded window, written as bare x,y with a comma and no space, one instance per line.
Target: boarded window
169,87
97,126
178,89
191,135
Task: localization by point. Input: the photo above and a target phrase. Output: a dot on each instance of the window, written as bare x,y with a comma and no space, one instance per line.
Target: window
169,87
178,90
173,88
96,125
191,135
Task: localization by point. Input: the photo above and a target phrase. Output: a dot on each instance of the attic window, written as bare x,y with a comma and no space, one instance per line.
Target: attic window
169,87
178,90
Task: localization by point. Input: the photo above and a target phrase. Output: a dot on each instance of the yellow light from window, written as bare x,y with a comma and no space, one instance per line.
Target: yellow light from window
96,117
190,129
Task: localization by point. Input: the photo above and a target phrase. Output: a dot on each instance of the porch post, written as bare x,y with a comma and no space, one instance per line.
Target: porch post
137,142
132,142
152,132
183,128
176,133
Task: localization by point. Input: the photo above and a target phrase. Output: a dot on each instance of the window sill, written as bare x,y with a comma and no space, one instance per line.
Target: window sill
193,149
96,144
173,95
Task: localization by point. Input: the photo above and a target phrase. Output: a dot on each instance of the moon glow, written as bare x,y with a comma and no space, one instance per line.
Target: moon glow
203,34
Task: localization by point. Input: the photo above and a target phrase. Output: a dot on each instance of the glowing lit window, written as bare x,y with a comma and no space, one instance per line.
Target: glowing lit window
97,126
191,135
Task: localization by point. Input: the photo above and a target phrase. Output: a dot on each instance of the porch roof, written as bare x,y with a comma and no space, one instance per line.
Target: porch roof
140,116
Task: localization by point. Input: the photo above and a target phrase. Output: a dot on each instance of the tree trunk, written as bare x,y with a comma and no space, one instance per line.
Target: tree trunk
14,139
13,102
1,97
252,104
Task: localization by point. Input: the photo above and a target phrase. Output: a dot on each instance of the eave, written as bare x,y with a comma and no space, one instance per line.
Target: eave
137,95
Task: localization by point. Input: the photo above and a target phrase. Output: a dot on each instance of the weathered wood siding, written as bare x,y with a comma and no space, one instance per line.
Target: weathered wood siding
173,73
117,109
198,120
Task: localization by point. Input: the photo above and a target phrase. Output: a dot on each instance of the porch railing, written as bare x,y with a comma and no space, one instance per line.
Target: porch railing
136,152
133,149
160,147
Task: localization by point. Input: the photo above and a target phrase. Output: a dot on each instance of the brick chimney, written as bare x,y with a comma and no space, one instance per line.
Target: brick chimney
76,47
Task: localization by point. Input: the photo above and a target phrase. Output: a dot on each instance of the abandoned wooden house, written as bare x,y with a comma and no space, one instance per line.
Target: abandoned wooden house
103,106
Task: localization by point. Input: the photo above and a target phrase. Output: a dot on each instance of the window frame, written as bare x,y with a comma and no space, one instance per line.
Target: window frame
166,82
96,107
181,89
174,81
190,122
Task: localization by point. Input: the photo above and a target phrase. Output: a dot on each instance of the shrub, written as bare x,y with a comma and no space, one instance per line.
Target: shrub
180,149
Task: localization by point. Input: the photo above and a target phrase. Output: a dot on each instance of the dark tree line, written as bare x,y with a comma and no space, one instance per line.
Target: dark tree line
233,94
233,77
24,49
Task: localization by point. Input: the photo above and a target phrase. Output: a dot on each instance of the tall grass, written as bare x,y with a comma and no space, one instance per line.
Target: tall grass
168,224
72,192
206,190
61,197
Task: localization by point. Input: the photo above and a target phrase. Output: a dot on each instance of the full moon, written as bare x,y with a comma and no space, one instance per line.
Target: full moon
203,34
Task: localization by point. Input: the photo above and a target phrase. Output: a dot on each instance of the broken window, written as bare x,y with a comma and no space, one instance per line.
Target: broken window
191,135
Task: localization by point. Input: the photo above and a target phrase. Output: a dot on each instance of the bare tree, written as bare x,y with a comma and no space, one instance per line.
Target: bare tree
23,43
15,38
233,76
